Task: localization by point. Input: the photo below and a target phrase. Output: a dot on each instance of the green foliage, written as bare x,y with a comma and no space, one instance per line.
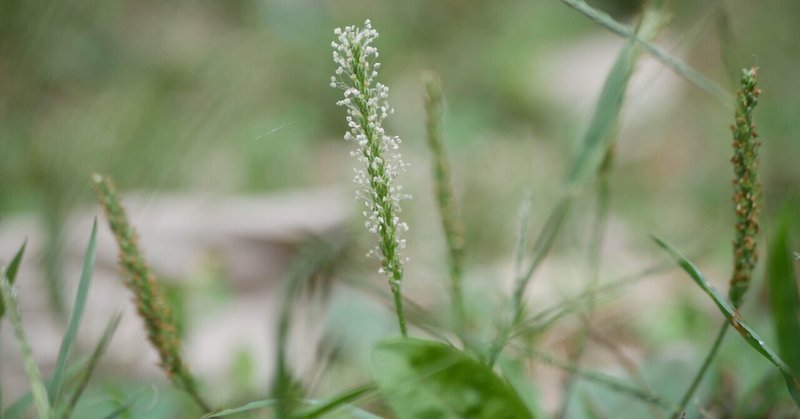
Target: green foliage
150,299
448,214
783,292
11,272
38,390
54,389
736,320
426,379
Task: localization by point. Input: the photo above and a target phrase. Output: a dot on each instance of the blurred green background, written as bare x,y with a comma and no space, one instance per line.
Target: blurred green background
232,97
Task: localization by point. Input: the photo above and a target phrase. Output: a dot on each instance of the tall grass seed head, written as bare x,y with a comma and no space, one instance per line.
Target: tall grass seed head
367,105
747,190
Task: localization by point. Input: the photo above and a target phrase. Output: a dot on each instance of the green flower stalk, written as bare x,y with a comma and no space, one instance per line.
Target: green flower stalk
150,301
747,190
367,106
444,193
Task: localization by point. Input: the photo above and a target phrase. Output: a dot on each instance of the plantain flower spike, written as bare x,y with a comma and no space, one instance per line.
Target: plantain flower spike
380,163
747,190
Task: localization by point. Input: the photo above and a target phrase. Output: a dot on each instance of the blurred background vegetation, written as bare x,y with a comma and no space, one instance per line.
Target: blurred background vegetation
232,97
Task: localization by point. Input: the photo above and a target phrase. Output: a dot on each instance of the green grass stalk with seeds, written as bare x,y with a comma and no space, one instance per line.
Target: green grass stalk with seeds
150,300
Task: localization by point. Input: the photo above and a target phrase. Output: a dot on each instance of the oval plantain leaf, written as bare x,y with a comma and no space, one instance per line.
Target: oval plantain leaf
425,379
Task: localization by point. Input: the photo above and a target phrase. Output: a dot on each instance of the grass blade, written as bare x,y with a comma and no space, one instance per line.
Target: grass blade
608,381
11,272
75,317
736,320
319,255
337,401
23,403
87,371
673,63
38,389
260,404
599,138
783,294
602,128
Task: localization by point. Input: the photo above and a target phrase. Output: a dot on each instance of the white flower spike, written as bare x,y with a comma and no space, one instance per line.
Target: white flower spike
367,104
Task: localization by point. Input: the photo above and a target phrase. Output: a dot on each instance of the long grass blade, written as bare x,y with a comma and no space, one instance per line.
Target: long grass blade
11,271
543,320
260,404
736,320
75,317
783,293
675,64
86,372
608,381
22,404
318,255
595,253
596,143
38,389
337,401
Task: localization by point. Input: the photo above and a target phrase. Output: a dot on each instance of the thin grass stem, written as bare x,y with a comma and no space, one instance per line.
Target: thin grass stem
659,53
38,389
451,224
698,377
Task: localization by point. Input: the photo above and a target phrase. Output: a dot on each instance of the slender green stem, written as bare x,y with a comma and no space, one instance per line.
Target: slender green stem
611,382
542,247
595,250
673,63
698,378
444,196
38,389
398,306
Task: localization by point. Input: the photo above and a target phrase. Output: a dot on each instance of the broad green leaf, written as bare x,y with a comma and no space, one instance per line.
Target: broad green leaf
736,320
75,317
513,371
11,272
783,294
426,379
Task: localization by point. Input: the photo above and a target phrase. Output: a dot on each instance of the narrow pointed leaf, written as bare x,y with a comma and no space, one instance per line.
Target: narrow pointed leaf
337,401
11,272
38,390
783,294
673,63
426,379
75,317
260,404
86,372
736,320
23,403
